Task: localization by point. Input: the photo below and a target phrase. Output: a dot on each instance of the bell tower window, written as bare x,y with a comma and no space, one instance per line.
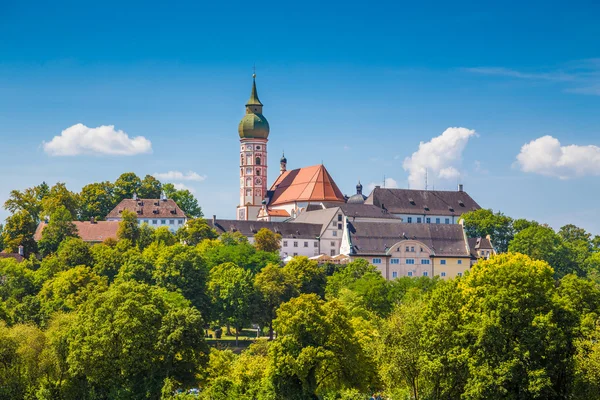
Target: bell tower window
257,161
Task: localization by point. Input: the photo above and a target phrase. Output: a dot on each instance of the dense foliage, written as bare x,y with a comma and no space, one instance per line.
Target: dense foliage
138,317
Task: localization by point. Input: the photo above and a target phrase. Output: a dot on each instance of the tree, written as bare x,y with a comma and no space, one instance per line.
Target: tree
267,240
194,231
542,243
482,222
150,188
231,290
164,236
401,347
180,268
29,200
520,342
60,196
69,288
128,227
316,351
18,231
184,199
58,229
126,186
273,286
96,201
307,276
130,338
73,252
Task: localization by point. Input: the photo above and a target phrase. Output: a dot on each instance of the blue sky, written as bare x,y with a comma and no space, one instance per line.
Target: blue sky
355,85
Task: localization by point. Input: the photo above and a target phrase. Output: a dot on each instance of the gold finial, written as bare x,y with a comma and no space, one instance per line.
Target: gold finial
254,71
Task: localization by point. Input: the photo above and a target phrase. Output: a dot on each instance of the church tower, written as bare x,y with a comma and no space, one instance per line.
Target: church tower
254,133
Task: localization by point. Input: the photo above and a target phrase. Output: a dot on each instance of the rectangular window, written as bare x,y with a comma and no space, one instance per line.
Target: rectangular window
447,220
394,274
395,261
418,220
437,220
285,243
316,244
154,222
180,222
407,248
334,233
459,261
459,274
339,226
339,217
428,220
163,221
305,244
377,261
295,244
412,249
424,273
295,254
443,274
332,244
171,222
424,261
334,223
409,220
410,261
443,262
332,253
409,273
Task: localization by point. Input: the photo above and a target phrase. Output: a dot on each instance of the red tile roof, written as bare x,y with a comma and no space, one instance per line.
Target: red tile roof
16,256
148,208
89,232
305,184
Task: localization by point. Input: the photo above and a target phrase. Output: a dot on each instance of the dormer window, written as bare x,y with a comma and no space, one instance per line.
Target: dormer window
411,201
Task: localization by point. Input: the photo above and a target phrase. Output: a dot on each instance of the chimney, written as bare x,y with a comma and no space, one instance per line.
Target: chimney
214,220
460,187
163,196
135,196
21,251
92,220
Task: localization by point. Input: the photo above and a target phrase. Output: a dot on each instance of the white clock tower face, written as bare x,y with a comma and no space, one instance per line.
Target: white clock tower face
248,147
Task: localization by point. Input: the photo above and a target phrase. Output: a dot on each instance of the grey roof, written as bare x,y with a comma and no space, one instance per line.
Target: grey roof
423,202
476,244
249,228
357,198
148,208
361,210
377,237
321,217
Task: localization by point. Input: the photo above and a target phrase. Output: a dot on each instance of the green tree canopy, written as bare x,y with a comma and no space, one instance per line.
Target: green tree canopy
267,240
58,229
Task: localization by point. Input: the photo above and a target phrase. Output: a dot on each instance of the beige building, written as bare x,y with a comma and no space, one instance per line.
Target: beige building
402,249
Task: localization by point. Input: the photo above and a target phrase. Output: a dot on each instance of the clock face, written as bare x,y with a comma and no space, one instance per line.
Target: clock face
248,147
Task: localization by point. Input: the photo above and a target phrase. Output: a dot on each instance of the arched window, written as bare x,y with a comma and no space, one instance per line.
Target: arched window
257,161
258,172
249,182
248,192
242,159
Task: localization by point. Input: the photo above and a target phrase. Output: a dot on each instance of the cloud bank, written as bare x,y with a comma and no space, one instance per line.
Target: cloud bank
103,140
180,176
546,156
438,158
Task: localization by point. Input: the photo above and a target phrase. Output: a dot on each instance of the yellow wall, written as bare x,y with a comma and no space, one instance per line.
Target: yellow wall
452,268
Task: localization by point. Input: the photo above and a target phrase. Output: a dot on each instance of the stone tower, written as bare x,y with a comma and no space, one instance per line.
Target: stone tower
254,133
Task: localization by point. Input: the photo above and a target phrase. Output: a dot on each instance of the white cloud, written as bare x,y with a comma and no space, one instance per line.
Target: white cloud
479,167
80,139
437,158
181,186
180,176
546,156
390,183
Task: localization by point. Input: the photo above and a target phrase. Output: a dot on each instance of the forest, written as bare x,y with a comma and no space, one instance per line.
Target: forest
162,315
